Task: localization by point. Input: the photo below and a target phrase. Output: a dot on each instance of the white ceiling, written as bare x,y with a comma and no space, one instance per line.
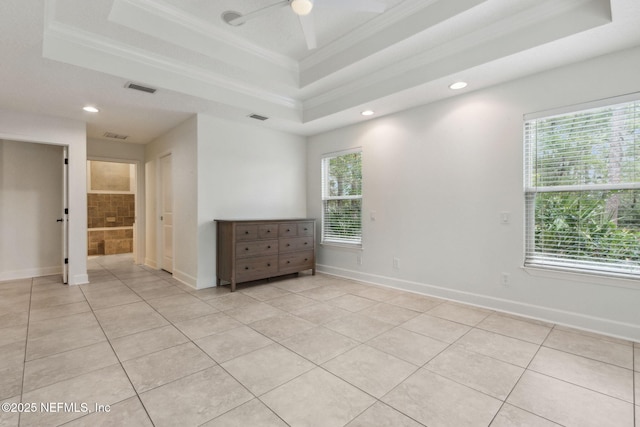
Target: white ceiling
59,55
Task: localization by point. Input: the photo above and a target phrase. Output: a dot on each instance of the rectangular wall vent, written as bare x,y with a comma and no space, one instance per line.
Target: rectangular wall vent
258,117
131,85
115,135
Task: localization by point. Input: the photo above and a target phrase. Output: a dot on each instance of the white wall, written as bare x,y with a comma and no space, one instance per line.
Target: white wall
181,143
221,169
127,153
245,172
23,127
31,188
438,177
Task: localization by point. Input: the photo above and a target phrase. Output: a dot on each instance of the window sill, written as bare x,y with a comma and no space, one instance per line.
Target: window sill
566,273
338,245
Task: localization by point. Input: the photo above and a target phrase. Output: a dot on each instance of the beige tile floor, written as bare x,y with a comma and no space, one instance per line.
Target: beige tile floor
298,351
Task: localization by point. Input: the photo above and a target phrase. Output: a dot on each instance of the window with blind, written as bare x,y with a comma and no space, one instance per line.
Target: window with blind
342,198
582,189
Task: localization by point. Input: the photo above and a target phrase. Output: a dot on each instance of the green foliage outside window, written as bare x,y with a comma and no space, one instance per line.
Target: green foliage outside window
584,170
342,195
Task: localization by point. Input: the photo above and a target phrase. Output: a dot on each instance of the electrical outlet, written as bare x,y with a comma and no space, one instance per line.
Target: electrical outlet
396,263
505,279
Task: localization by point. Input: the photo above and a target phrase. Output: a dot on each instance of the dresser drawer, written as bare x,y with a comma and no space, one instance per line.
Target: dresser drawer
305,229
291,244
288,230
268,231
246,232
256,268
296,261
256,248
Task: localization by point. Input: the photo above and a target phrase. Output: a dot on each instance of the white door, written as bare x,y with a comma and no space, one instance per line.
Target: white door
65,215
166,216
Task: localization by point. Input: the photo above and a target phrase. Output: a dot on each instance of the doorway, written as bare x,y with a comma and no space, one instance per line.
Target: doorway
32,212
111,207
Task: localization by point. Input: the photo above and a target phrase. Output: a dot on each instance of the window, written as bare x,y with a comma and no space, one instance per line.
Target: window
582,190
342,198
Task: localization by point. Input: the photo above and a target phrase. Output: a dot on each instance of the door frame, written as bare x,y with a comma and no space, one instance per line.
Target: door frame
138,225
159,203
65,214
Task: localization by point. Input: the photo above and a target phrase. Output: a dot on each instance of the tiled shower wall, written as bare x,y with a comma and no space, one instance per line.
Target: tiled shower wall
106,211
111,210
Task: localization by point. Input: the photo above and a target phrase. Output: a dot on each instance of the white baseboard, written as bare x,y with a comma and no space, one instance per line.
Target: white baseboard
29,273
185,278
78,279
581,321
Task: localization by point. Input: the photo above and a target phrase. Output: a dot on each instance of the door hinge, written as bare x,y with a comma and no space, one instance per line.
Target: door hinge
66,211
66,260
66,161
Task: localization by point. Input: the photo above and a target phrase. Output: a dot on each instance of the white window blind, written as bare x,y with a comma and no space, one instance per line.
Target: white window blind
342,198
582,190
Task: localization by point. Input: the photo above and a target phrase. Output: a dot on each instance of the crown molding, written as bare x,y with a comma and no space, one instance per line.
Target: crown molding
204,28
109,47
376,40
364,32
504,37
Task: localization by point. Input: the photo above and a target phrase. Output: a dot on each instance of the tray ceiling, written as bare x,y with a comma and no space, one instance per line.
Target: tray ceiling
387,62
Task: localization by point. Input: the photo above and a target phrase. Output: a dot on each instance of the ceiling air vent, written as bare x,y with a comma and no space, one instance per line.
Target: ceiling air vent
115,135
258,117
131,85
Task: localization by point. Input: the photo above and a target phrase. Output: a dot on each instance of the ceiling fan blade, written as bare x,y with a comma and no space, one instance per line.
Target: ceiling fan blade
256,13
308,28
374,6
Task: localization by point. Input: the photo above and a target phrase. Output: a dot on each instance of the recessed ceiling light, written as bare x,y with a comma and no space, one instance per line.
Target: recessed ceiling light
90,109
368,113
458,85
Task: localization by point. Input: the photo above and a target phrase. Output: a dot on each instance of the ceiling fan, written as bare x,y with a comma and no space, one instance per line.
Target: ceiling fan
303,9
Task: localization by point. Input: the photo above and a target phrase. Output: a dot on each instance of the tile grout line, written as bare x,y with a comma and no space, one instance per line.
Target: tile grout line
190,340
449,345
26,343
119,363
526,368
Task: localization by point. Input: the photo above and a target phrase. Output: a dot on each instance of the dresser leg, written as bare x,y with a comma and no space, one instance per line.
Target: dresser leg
313,271
218,281
233,286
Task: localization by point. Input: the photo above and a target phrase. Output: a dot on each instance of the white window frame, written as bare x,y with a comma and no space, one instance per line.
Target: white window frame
347,242
538,260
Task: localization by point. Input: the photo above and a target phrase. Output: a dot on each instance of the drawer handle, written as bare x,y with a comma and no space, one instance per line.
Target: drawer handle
246,268
288,244
305,229
288,262
246,249
269,247
288,230
306,243
268,231
268,264
246,232
306,259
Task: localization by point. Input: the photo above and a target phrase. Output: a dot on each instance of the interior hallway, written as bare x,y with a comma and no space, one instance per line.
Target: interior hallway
300,351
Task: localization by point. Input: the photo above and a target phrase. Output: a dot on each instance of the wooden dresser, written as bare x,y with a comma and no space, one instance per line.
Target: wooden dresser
258,249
